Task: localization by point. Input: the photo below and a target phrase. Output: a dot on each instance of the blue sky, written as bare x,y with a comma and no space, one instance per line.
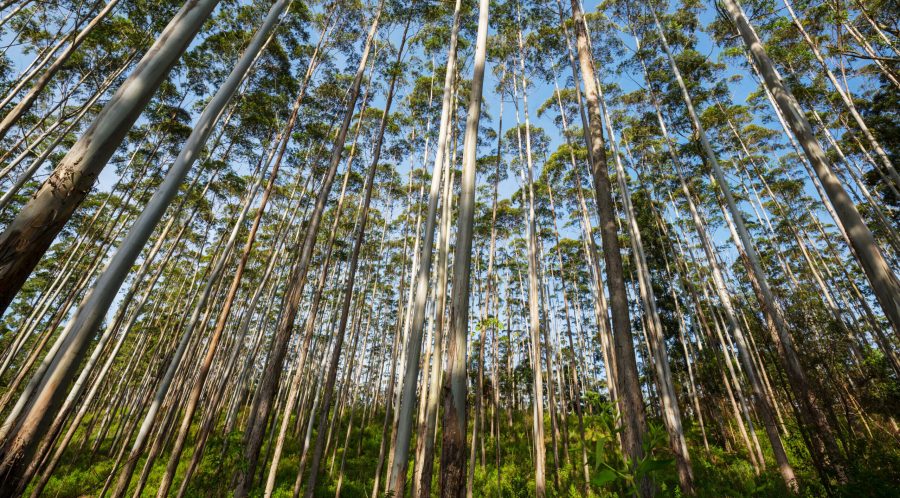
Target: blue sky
539,93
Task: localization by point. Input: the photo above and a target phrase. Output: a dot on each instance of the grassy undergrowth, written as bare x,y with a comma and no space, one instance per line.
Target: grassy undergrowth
874,468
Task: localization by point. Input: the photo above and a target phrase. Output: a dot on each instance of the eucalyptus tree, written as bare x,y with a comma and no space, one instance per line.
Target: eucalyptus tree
628,388
265,391
397,472
31,232
425,464
453,449
197,389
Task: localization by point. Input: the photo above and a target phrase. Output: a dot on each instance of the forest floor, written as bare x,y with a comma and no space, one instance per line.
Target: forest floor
723,471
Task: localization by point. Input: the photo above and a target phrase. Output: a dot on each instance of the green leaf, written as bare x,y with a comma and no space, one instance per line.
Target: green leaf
651,465
603,477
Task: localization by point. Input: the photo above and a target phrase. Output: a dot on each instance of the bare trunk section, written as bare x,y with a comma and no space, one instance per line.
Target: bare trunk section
265,391
453,450
630,403
400,459
351,278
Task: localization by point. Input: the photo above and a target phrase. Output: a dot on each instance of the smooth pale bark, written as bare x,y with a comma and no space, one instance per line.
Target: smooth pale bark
881,276
351,275
74,259
630,402
586,474
426,362
425,369
95,306
388,417
406,271
265,391
116,324
38,161
400,459
22,5
735,394
763,407
534,289
31,232
686,349
490,292
423,483
453,450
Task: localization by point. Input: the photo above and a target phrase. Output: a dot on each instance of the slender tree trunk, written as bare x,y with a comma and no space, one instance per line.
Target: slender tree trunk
534,291
397,479
31,232
882,278
630,400
265,391
453,450
351,278
440,302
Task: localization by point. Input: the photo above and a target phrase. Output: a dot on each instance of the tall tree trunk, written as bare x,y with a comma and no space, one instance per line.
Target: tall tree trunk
882,278
397,479
601,309
453,450
265,391
423,484
534,290
630,403
351,277
31,232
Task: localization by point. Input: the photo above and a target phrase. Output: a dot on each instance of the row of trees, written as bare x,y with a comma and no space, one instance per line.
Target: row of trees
229,262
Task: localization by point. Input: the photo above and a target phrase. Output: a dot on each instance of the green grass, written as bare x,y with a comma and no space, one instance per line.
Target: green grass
874,468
